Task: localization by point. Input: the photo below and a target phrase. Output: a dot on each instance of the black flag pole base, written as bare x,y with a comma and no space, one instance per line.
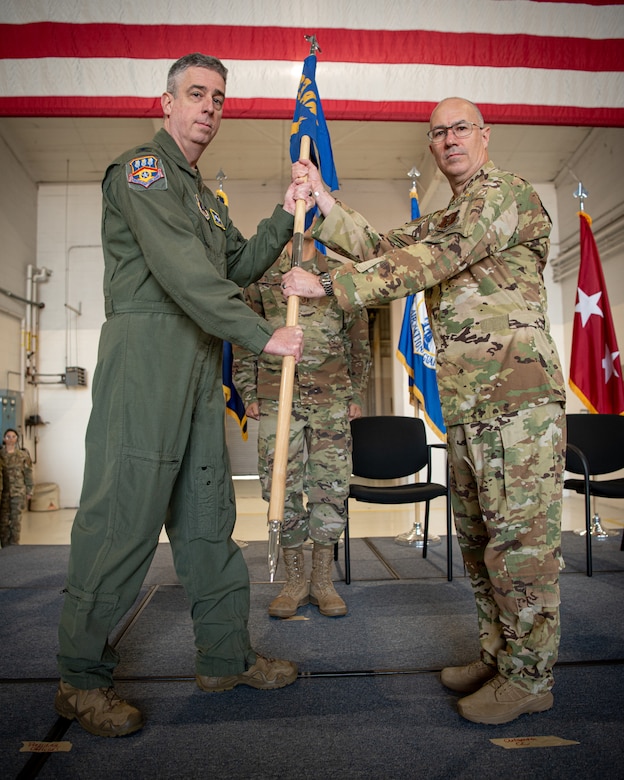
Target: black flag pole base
597,531
415,538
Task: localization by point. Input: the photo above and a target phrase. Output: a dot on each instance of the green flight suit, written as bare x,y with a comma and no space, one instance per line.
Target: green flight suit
155,444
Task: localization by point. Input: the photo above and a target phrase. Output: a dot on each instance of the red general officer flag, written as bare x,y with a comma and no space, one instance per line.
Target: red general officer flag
595,367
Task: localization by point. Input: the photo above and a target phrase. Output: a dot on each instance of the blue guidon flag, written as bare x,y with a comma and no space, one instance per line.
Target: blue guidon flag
417,352
309,120
145,171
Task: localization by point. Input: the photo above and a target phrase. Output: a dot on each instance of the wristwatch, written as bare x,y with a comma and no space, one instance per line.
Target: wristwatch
326,280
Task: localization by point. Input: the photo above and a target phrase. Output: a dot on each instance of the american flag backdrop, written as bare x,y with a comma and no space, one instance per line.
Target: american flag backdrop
522,61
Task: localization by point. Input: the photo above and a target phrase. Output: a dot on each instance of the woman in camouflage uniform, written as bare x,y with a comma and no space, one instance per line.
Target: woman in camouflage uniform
17,487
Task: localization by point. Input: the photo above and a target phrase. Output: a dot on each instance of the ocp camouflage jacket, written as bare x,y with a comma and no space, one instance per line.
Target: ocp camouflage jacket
480,262
336,355
17,473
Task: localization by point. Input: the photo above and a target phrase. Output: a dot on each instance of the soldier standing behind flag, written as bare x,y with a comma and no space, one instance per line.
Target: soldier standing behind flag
480,262
330,382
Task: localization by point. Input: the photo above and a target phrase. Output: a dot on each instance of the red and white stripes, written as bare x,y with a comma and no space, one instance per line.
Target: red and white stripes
522,61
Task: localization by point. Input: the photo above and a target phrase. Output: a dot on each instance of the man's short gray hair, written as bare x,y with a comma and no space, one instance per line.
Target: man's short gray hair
195,60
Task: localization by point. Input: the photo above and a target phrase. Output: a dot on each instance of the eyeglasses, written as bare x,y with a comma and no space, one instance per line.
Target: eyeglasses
461,129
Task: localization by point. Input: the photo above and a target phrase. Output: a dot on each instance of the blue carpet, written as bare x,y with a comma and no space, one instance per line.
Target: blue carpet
368,703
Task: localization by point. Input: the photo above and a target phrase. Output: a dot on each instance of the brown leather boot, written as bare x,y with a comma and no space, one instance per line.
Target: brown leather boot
322,591
98,710
296,591
266,674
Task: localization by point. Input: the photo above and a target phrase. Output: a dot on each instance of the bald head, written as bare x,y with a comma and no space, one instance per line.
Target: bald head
470,110
457,155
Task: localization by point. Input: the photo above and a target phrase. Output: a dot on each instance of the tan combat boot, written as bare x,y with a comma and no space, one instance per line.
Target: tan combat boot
296,591
469,678
322,591
500,701
98,710
266,674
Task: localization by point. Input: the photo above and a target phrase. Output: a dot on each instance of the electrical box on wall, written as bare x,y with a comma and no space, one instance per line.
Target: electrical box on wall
75,376
10,410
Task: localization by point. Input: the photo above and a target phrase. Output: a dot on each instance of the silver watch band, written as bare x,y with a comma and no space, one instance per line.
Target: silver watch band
326,280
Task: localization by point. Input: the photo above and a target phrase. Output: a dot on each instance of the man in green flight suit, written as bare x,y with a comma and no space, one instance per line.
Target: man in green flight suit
174,266
480,262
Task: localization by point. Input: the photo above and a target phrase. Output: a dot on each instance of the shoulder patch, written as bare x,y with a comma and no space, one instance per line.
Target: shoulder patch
146,171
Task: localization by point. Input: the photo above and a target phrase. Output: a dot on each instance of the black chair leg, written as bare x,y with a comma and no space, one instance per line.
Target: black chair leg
588,534
347,554
449,540
426,530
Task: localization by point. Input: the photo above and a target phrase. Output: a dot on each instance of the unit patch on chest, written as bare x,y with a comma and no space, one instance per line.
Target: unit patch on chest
210,213
146,171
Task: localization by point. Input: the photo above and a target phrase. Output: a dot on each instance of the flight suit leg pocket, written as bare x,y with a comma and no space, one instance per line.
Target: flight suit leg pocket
215,510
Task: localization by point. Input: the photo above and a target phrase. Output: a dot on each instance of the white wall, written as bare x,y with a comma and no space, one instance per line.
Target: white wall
69,244
18,219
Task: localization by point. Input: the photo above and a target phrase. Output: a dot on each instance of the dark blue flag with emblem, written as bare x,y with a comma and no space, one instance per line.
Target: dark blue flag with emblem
418,354
234,405
309,120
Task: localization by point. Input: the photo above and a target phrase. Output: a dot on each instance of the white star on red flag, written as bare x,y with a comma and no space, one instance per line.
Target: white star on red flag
595,366
588,305
608,364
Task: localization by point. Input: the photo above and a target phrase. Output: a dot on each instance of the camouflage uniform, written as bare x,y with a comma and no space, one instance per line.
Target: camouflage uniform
480,262
17,484
332,374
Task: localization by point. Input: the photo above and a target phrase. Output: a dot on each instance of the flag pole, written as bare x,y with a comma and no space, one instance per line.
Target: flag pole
597,530
280,460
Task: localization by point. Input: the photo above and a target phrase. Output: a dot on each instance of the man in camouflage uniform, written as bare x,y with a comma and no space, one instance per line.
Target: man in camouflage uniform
330,381
16,487
480,262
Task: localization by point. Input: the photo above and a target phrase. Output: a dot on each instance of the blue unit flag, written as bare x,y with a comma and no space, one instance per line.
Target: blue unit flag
309,120
417,352
234,405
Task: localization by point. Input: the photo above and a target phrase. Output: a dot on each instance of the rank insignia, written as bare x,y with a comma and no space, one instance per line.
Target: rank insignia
145,171
448,220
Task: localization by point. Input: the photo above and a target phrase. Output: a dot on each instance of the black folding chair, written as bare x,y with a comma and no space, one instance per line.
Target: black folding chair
595,446
388,448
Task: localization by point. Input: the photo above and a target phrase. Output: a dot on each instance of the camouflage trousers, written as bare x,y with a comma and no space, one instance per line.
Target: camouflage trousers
507,483
11,519
319,470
